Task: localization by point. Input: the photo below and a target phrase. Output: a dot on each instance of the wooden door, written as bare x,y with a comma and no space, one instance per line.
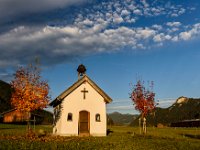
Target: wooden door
84,121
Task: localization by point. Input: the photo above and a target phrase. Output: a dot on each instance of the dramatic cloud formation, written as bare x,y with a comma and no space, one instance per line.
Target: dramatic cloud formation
104,26
13,8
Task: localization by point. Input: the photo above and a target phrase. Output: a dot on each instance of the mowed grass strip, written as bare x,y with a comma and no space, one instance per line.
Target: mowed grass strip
122,138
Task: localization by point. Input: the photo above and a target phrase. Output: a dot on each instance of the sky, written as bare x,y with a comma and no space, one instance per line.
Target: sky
118,41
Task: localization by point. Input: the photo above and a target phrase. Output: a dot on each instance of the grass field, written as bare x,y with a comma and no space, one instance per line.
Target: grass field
122,138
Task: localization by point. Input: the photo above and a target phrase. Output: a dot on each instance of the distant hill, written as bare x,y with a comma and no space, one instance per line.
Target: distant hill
5,95
121,119
5,104
183,109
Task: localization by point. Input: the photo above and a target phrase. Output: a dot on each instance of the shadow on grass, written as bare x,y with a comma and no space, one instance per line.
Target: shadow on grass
192,136
6,128
109,131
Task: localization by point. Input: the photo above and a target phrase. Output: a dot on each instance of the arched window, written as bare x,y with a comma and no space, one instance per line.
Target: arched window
69,117
98,119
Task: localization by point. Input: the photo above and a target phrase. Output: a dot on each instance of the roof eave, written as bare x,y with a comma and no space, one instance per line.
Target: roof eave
85,78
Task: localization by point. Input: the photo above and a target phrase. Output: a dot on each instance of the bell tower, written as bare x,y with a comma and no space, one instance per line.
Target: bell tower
81,70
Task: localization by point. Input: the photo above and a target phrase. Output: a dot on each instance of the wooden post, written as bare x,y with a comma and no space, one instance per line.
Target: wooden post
140,126
34,123
28,121
144,126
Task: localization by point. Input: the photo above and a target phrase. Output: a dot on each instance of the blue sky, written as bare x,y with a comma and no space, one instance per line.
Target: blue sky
118,42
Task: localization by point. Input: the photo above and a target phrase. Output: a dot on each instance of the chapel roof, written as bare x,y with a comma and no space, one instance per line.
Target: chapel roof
82,80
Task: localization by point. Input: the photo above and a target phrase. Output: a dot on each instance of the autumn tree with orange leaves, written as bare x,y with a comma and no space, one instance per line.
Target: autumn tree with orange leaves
144,101
30,92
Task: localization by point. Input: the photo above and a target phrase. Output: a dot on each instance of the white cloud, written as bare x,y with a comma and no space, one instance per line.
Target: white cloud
145,33
117,19
185,35
181,11
158,38
194,31
175,39
87,22
132,7
156,11
174,29
93,30
145,3
173,24
132,20
125,12
137,12
168,37
54,42
161,37
158,27
174,15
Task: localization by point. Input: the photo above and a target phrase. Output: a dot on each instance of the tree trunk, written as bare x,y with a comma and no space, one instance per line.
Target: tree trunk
28,121
144,125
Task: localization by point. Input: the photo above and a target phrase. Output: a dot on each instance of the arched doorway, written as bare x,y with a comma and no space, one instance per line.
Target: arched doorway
84,122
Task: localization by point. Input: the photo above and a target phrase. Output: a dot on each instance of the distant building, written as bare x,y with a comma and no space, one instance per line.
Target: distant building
187,123
81,109
14,116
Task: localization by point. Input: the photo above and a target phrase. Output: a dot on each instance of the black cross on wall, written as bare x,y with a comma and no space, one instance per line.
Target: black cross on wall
84,93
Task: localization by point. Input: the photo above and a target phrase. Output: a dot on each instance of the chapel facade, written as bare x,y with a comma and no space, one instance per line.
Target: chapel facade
81,109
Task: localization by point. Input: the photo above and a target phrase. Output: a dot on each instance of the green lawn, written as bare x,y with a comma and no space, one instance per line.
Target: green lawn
122,138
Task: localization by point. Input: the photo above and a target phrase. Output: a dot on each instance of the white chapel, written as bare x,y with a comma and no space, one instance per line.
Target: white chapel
81,109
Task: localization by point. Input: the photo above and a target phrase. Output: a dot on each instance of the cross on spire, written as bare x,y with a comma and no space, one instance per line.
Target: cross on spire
84,93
